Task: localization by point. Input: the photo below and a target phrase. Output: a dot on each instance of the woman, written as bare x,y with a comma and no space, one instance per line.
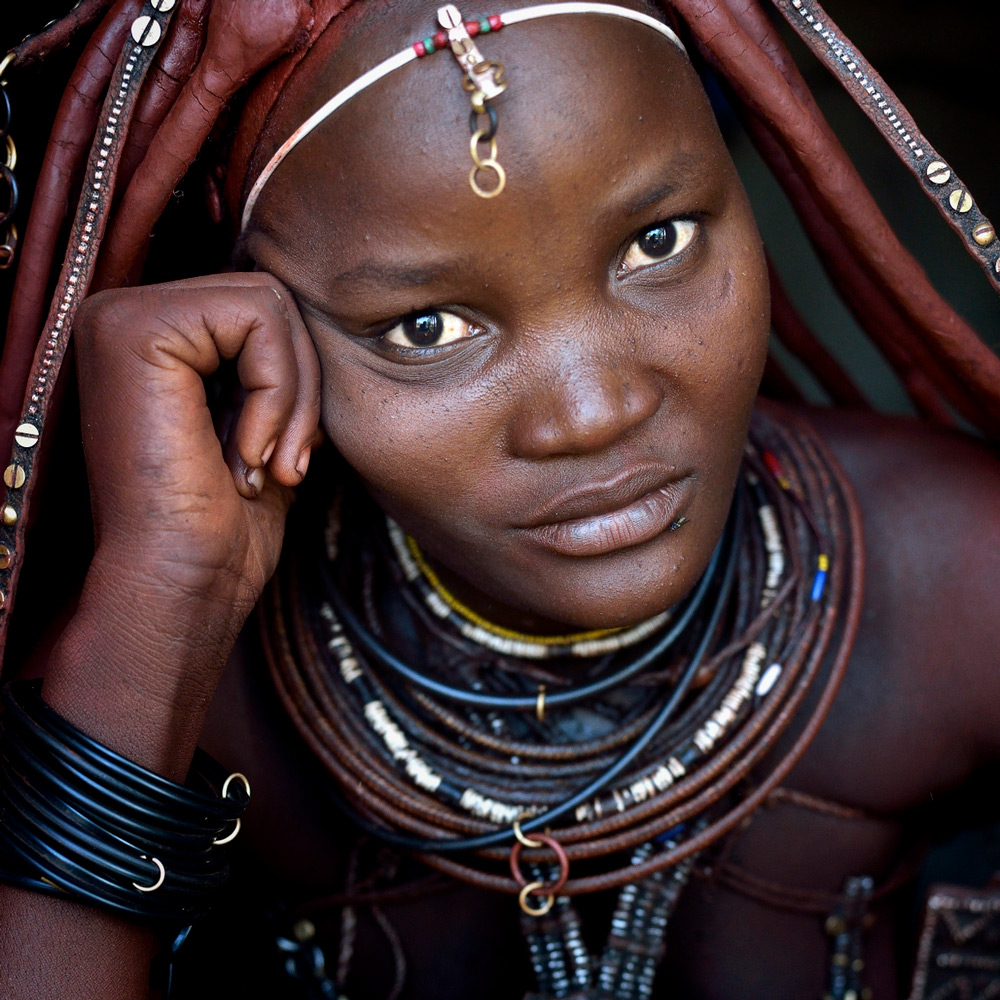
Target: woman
549,392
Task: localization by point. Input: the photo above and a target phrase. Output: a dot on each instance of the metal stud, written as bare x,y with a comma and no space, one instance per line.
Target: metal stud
26,435
960,200
984,234
9,515
13,476
3,600
146,31
5,557
938,172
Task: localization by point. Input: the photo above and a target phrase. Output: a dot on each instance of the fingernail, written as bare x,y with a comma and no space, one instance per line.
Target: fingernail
255,477
268,452
303,463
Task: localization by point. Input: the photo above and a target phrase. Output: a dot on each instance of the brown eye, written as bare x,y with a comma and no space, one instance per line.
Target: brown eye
433,328
425,330
659,242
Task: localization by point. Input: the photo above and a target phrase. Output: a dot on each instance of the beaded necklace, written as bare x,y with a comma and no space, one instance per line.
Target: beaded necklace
504,640
631,783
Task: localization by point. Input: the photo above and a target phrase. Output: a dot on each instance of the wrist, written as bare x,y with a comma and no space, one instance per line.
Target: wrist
137,665
83,821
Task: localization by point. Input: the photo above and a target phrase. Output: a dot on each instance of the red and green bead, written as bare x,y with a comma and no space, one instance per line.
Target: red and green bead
439,40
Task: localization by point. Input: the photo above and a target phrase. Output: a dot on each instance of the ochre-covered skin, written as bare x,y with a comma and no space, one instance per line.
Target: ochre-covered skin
583,373
581,368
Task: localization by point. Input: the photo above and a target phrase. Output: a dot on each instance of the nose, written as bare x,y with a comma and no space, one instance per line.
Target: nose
583,403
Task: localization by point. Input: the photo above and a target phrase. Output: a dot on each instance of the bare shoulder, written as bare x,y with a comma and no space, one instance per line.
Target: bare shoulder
930,503
893,456
930,507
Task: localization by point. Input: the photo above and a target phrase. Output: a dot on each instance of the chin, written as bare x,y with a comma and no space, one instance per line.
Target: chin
614,590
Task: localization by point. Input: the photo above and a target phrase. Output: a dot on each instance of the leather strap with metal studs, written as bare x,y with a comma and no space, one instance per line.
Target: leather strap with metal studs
858,77
89,223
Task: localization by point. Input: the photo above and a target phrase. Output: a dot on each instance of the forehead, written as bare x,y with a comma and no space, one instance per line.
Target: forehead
592,100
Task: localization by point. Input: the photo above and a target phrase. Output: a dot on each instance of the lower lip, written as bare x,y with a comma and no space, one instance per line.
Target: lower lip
639,522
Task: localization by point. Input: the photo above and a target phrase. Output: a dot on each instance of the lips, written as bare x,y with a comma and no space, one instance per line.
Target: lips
604,517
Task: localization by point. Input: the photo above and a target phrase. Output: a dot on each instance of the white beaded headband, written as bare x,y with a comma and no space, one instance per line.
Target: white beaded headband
484,80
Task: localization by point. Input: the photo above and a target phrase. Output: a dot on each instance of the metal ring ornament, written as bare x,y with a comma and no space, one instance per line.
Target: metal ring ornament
474,140
219,841
560,853
5,128
501,179
543,907
491,113
162,878
10,154
235,776
5,64
522,839
8,248
8,176
234,833
499,72
489,163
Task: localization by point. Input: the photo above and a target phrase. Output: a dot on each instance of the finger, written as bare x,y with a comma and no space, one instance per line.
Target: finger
290,458
247,319
279,368
268,371
249,480
174,335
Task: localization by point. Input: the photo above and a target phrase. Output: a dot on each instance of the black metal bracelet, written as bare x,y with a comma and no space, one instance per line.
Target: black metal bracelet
80,821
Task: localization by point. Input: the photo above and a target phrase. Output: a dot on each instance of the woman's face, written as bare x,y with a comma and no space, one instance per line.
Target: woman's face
539,385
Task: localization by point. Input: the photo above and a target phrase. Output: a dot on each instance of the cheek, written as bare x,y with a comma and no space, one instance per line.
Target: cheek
414,448
719,336
743,326
741,321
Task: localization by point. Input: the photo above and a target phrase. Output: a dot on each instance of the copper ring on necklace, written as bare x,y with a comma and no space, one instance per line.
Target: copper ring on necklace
540,888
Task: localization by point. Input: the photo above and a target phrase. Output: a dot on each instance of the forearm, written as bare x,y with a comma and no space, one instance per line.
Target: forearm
187,536
62,950
136,667
135,671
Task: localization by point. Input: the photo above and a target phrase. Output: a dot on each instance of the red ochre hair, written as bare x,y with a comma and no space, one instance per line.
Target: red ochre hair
168,78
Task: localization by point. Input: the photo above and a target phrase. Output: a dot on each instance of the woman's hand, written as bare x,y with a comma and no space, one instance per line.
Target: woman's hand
188,529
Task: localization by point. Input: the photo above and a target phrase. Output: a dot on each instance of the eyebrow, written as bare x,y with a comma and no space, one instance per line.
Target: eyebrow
366,272
371,273
685,163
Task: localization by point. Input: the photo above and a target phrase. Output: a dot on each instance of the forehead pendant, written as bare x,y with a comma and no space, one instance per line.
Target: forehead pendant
484,80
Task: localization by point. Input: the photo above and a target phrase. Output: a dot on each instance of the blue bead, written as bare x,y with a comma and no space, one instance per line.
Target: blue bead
673,834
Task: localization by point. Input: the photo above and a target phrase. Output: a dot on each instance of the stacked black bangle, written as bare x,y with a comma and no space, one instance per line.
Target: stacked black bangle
78,820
